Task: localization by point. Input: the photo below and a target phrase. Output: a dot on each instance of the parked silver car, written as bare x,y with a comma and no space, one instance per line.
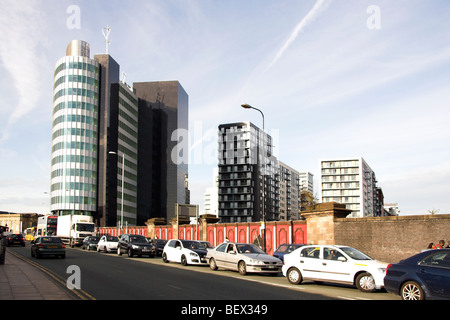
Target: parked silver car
243,257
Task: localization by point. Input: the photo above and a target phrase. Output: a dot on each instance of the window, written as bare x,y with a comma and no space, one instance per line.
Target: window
310,253
440,259
332,254
222,247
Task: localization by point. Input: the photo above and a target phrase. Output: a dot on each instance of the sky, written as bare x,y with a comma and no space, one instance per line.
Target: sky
334,78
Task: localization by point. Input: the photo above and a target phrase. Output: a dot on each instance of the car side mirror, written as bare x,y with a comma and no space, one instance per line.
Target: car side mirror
342,259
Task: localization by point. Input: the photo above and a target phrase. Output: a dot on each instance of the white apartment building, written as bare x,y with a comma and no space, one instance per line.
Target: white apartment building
212,196
352,182
306,182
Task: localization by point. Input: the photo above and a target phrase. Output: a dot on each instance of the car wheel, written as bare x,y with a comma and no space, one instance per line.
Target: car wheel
242,268
294,276
183,260
130,253
412,291
365,282
164,257
119,252
212,264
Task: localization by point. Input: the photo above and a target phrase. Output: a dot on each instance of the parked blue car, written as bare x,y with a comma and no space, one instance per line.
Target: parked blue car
423,276
285,249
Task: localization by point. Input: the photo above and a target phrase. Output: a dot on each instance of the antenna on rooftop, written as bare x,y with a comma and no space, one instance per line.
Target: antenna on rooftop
106,31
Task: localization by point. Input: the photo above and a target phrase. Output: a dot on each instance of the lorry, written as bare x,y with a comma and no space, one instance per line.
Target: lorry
72,229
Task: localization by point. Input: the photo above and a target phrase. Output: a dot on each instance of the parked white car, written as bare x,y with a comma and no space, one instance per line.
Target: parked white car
107,244
332,263
186,251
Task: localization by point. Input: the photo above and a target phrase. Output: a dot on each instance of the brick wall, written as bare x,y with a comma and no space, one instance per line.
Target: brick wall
392,239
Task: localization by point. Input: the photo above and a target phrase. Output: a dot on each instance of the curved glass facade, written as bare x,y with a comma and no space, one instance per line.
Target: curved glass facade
75,133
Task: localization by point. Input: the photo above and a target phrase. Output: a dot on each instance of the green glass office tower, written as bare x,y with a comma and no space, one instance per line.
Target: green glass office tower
75,132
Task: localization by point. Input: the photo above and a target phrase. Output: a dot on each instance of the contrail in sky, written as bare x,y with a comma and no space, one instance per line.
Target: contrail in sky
318,8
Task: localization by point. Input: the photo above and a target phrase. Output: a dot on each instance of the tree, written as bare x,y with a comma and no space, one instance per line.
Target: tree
433,211
307,199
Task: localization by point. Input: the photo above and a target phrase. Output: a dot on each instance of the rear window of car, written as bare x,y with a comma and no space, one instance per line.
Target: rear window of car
50,240
311,252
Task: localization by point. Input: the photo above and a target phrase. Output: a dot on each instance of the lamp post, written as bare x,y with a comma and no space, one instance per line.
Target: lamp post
122,188
247,106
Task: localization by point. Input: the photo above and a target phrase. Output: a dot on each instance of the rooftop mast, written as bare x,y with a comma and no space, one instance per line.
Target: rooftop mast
106,31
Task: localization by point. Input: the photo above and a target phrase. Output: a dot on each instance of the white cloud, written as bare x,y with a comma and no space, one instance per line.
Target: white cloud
21,26
317,9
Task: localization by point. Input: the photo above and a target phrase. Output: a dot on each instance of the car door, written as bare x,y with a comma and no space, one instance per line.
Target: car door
123,243
310,263
101,243
434,271
231,257
173,250
34,245
220,255
335,266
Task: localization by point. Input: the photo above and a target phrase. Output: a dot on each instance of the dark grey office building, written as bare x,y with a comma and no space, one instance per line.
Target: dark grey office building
245,164
163,164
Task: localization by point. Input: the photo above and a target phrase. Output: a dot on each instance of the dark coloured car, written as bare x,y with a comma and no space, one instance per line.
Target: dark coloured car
159,245
90,243
285,249
48,246
15,240
423,276
133,244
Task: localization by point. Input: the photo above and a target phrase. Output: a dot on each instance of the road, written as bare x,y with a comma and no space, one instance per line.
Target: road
112,277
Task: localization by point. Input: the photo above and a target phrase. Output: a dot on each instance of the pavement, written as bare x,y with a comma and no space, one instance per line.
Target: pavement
22,280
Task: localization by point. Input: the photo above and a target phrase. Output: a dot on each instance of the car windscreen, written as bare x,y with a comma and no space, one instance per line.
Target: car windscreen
249,248
355,254
138,239
193,244
89,227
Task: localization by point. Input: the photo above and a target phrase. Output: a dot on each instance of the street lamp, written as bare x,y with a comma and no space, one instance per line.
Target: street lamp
122,189
247,106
